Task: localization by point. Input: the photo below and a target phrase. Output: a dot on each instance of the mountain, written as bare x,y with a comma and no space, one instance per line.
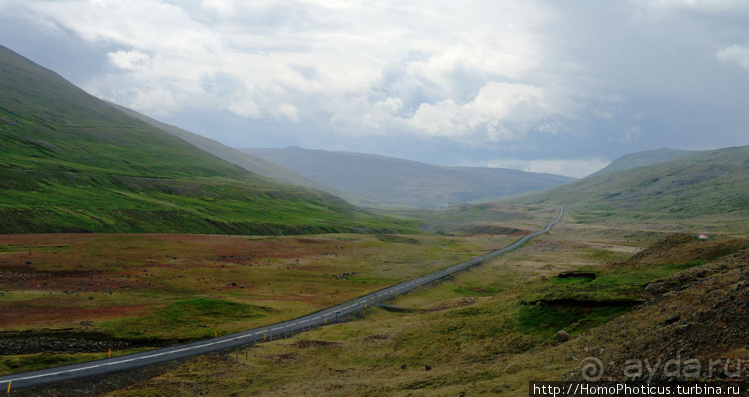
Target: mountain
380,181
643,159
245,160
706,183
70,162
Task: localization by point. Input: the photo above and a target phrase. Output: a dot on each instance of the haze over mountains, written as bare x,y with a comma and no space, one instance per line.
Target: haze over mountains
250,163
372,180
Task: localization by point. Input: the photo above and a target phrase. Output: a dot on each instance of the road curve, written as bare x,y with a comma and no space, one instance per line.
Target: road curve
317,319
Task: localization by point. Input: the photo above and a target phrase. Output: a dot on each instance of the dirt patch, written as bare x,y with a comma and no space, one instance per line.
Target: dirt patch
475,230
564,304
18,316
625,249
577,275
308,343
281,358
451,304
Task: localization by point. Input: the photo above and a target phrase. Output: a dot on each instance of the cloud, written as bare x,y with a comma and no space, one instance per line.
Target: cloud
735,53
505,78
245,108
287,111
224,8
139,24
695,5
631,134
129,60
495,108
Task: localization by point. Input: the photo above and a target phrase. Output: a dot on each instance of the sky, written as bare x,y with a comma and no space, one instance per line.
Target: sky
552,86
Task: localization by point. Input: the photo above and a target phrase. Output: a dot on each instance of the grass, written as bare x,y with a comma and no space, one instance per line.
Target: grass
165,288
475,343
546,320
193,318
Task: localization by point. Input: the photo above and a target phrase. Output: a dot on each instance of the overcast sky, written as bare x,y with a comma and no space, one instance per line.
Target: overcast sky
540,85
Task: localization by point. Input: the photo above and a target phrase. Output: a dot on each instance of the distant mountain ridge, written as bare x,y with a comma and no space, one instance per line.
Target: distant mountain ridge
245,160
380,181
70,162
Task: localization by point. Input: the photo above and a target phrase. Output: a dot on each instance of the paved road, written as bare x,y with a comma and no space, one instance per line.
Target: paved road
323,317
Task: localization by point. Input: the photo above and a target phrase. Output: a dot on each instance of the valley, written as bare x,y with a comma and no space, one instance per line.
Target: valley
121,234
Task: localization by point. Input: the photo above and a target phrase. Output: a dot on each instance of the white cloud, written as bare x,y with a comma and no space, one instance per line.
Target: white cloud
495,108
245,108
224,8
735,53
287,111
139,24
293,58
129,60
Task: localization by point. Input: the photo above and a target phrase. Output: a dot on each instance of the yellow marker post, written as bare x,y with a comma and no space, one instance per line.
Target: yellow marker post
326,321
264,337
110,353
9,387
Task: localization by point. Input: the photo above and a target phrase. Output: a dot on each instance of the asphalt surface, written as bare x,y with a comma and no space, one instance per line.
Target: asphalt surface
317,319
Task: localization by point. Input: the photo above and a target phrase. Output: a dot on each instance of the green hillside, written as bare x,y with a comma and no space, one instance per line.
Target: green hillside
643,159
708,183
71,162
381,181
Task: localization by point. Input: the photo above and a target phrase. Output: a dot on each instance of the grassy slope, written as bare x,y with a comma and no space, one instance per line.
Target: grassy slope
643,159
383,181
707,184
71,162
